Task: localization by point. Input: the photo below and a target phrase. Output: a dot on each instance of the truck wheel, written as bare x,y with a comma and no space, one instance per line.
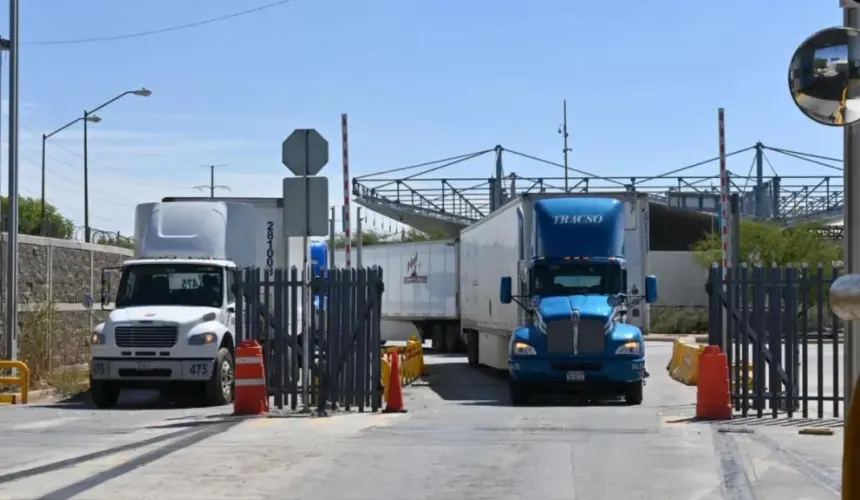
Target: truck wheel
104,394
452,339
438,339
520,395
633,396
219,388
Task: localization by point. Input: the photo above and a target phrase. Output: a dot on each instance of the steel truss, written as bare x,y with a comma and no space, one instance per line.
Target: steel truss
463,200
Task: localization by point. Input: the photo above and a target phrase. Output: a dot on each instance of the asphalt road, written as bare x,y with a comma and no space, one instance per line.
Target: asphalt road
460,439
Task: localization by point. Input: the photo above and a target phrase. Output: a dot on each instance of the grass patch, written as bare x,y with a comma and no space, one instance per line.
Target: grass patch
679,320
69,383
55,352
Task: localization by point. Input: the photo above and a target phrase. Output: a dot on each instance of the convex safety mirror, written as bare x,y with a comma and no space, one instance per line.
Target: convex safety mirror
824,76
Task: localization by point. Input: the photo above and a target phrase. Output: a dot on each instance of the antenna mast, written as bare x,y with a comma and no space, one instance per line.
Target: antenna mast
212,186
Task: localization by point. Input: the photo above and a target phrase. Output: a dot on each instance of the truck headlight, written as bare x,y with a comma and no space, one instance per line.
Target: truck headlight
202,339
523,349
97,338
629,348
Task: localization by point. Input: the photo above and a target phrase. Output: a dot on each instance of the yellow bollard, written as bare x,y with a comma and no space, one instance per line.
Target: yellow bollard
386,376
22,380
851,450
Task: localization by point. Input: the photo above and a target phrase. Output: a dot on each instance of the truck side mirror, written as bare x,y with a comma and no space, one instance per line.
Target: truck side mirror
105,295
87,302
650,289
505,287
613,300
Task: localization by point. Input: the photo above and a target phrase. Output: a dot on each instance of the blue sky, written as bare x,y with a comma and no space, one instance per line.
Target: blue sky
420,81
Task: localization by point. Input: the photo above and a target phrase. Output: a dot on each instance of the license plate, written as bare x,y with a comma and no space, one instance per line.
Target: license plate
144,366
575,376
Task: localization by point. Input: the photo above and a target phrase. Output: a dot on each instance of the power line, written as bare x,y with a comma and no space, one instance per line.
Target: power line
160,31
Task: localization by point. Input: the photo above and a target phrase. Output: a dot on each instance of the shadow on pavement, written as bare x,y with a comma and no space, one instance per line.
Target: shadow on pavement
456,381
129,400
183,439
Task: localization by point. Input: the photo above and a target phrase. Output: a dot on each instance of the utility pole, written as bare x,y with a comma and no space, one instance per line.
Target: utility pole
851,169
562,130
12,227
212,187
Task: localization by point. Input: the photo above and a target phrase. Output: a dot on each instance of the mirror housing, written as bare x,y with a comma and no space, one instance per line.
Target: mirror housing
613,300
821,86
650,289
88,302
505,290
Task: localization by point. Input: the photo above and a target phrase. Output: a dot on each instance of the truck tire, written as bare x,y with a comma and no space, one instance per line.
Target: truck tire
452,339
520,394
633,396
219,389
104,394
438,339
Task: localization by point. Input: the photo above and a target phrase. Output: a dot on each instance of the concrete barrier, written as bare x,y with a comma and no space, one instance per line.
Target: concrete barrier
411,358
684,365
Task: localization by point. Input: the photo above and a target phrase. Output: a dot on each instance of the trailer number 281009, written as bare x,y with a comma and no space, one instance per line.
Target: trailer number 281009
270,248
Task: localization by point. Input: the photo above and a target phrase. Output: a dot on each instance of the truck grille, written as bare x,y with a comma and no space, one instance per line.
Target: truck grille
592,337
144,336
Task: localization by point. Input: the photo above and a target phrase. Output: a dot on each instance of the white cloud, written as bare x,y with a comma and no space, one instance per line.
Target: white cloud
128,167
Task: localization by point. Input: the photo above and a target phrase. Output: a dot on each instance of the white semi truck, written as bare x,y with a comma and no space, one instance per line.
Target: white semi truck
172,324
421,289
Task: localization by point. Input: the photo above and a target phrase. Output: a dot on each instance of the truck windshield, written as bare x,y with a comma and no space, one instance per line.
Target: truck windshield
577,278
171,285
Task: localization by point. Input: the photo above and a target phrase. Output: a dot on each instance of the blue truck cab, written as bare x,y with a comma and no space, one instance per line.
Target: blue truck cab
576,337
319,268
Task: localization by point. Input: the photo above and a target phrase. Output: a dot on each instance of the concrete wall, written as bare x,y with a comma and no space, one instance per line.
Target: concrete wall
680,280
60,271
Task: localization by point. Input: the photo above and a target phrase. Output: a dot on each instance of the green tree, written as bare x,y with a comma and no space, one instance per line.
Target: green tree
29,219
770,243
373,237
115,241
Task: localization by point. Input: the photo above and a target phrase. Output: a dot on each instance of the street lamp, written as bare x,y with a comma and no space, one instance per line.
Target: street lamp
45,137
88,114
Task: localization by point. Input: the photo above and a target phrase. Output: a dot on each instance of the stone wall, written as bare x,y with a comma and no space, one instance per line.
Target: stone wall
61,272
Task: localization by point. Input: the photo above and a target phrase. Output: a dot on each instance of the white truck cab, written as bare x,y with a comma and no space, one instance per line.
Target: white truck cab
172,321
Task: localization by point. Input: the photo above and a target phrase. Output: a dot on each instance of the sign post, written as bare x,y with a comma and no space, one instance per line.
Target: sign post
305,152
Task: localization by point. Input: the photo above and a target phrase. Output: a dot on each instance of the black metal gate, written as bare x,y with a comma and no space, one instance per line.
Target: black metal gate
782,341
337,314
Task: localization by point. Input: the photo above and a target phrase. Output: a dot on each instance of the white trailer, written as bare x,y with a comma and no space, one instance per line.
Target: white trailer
490,249
421,288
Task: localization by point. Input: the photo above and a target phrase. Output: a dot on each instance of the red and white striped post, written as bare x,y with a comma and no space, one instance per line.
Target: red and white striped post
724,194
347,227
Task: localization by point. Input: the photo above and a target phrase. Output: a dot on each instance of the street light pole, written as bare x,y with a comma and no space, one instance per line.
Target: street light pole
88,115
12,229
86,183
45,137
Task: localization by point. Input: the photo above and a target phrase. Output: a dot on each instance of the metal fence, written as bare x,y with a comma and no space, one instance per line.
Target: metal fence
333,320
780,337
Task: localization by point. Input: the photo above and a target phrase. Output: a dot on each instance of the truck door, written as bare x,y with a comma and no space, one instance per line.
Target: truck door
229,313
522,270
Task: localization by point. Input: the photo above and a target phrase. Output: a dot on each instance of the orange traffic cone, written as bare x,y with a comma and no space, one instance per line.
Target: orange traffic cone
713,399
251,393
394,402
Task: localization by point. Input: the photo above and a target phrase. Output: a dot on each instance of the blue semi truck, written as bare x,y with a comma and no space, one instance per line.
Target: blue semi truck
555,291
